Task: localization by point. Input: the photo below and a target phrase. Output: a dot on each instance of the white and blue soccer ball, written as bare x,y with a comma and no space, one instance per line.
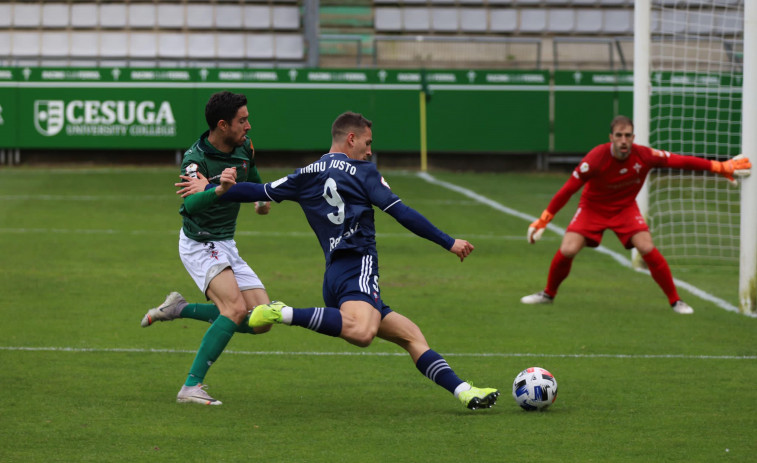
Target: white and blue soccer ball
534,389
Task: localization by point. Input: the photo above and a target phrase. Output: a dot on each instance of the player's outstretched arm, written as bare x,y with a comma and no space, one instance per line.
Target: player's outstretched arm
536,229
571,186
462,249
738,166
191,185
416,223
199,195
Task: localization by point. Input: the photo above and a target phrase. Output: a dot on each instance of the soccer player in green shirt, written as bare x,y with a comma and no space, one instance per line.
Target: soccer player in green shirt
207,247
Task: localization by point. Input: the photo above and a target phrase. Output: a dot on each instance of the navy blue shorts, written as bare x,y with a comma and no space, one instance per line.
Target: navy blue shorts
353,277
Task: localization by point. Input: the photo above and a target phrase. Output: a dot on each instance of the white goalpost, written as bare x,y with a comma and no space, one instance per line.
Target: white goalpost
694,76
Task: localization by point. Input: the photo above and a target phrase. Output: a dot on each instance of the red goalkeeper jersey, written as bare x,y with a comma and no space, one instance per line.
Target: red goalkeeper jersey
611,185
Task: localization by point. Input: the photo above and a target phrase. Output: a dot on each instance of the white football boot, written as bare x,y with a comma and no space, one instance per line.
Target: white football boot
682,308
537,298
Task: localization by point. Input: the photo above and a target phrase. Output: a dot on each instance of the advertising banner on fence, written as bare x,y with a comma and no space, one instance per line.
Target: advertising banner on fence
290,109
104,108
8,96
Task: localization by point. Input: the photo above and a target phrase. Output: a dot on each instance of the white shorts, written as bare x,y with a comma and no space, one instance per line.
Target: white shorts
204,261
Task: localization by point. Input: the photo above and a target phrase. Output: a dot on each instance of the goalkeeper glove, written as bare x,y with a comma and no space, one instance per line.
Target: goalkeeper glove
738,166
536,229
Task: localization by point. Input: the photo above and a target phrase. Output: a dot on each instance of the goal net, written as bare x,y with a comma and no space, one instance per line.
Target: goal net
695,59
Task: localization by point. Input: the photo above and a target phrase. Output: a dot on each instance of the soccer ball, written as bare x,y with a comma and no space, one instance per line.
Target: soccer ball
534,389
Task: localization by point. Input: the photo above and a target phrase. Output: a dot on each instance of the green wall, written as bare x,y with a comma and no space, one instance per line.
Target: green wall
292,109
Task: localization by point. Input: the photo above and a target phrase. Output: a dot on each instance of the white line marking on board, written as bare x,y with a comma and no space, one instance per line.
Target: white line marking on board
376,354
619,258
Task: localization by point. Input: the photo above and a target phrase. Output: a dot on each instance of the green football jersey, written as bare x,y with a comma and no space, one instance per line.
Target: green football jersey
219,221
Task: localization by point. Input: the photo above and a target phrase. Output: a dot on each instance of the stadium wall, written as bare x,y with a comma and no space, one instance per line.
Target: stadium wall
476,112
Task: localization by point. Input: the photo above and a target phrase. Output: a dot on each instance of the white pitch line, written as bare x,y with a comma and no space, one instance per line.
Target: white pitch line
174,198
621,259
377,354
271,234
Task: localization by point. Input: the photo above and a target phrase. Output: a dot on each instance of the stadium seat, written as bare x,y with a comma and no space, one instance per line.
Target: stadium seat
229,17
503,20
84,15
5,17
615,2
257,17
561,21
170,16
112,15
289,47
230,45
54,15
444,19
584,2
388,19
200,16
526,2
141,15
442,2
415,19
172,45
618,21
700,23
472,2
85,44
55,44
672,22
286,18
201,45
259,46
588,21
730,22
113,44
143,45
473,20
414,2
25,44
533,20
5,43
26,15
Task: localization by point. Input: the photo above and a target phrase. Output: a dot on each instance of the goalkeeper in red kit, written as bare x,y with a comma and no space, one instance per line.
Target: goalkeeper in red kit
612,175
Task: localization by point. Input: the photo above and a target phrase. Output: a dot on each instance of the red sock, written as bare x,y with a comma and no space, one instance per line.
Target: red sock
558,271
660,271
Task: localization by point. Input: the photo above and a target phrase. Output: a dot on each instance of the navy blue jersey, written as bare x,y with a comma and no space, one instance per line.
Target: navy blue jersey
337,195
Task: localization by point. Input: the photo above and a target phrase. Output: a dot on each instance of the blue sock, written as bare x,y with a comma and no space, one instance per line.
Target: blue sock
324,320
435,368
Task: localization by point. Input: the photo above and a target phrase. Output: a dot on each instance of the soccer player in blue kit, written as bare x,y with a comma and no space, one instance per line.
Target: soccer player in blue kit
337,194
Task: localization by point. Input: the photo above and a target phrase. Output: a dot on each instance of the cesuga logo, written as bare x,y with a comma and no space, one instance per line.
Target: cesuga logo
104,118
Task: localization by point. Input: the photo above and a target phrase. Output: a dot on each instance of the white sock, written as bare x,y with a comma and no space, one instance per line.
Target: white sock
286,315
461,388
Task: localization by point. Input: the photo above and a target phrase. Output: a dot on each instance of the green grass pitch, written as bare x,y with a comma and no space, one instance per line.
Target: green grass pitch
84,252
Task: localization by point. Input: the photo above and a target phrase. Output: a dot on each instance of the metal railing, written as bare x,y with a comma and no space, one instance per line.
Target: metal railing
429,42
612,43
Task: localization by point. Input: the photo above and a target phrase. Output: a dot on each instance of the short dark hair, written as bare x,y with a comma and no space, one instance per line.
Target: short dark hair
620,119
223,106
349,122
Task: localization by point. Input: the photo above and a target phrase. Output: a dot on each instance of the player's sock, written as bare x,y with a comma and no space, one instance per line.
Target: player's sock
558,272
208,313
435,368
660,271
213,343
325,320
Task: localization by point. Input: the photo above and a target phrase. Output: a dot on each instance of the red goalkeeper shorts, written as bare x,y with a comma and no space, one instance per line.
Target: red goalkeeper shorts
591,225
